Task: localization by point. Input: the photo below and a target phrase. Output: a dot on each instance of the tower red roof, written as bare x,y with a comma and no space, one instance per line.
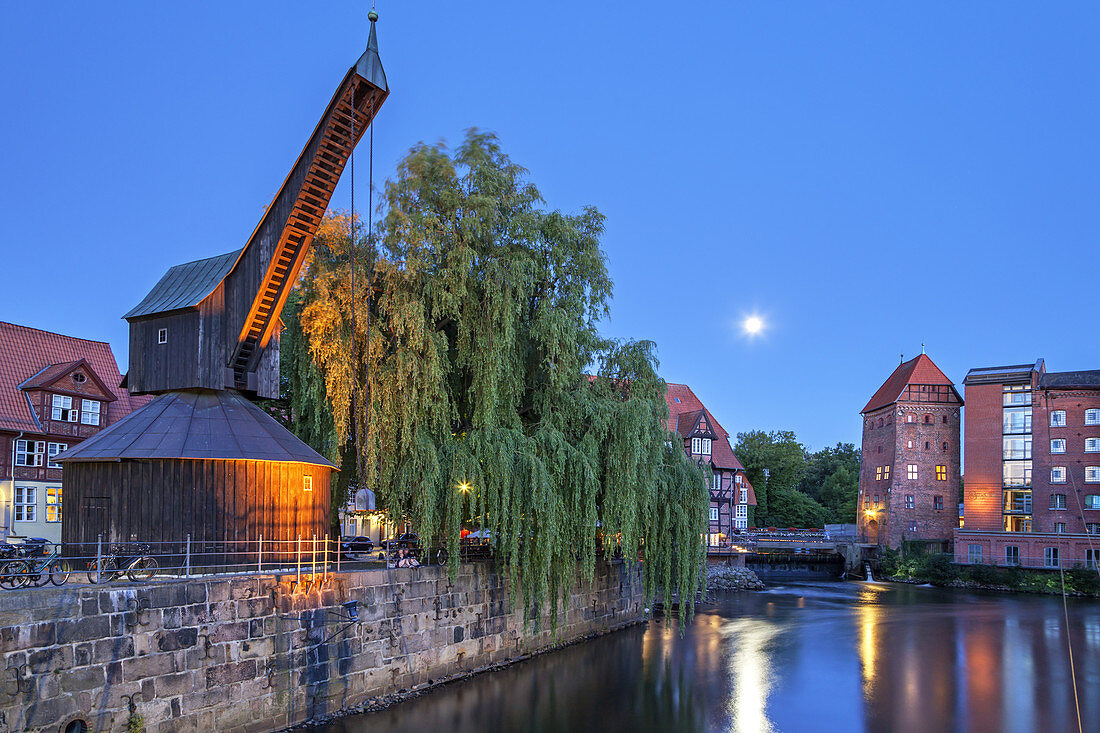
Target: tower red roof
921,370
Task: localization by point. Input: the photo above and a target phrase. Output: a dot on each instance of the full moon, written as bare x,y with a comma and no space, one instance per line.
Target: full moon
753,325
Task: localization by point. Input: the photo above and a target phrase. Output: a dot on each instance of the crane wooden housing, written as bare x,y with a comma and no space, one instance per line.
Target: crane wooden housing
201,460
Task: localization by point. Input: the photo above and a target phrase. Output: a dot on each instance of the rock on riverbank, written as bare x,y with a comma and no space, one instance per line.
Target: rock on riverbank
721,577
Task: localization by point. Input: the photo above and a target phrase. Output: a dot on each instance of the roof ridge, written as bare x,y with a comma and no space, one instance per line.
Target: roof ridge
53,333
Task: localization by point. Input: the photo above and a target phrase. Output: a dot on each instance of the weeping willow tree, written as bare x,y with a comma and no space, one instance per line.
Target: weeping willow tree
487,396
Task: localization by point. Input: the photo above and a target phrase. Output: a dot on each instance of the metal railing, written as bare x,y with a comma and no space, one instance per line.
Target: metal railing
27,563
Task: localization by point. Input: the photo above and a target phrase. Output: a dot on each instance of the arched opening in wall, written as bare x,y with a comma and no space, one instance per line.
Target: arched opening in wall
872,532
76,725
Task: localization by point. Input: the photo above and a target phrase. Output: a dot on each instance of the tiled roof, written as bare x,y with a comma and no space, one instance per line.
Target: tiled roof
219,424
184,286
681,399
1071,380
26,352
920,370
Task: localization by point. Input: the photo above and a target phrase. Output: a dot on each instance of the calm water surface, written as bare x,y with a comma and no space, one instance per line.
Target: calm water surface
803,657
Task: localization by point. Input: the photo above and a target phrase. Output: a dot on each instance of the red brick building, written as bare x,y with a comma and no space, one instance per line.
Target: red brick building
1032,467
909,469
54,392
707,443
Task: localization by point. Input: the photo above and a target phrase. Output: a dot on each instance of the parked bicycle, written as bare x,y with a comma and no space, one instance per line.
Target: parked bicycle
28,564
131,559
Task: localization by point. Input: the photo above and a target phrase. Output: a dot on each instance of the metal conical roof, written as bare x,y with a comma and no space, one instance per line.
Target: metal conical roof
198,424
369,65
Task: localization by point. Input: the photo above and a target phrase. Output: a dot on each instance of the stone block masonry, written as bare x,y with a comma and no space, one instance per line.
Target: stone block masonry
263,652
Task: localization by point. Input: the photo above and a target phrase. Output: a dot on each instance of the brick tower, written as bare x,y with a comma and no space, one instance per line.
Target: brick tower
909,473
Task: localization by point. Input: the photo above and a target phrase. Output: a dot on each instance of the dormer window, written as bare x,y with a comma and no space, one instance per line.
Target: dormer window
62,409
162,336
89,412
700,446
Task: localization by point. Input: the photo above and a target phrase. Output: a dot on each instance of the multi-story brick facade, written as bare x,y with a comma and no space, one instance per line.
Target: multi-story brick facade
909,471
1032,467
54,392
707,443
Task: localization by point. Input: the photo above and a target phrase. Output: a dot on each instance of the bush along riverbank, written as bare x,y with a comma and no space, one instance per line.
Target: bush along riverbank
941,571
724,577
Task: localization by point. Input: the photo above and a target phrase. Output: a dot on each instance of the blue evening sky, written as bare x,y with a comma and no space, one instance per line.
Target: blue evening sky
865,176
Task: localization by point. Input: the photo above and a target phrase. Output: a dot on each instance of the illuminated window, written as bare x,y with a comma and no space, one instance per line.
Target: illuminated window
1058,475
1058,445
89,412
62,408
941,473
1050,557
307,483
937,502
1058,419
1057,501
29,452
54,449
908,501
1012,555
53,503
26,503
911,472
878,473
974,554
886,473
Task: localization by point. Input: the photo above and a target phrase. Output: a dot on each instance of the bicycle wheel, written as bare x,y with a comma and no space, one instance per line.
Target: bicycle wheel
59,571
144,568
101,575
37,575
14,574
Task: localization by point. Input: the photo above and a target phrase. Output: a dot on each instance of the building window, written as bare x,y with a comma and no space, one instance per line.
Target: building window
714,514
911,472
1016,448
1057,501
307,483
945,446
974,554
716,481
908,444
1058,419
937,502
927,419
1092,417
1092,501
89,412
26,503
53,503
927,444
908,501
912,526
742,511
62,408
738,479
700,446
880,422
54,449
1012,555
1017,420
1058,445
878,473
1092,474
944,419
1050,557
1017,395
910,417
1059,527
162,337
29,452
880,449
1091,558
1092,445
886,473
1058,475
1092,528
941,473
744,496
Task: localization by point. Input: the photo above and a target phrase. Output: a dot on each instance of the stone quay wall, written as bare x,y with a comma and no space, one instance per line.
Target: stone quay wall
264,652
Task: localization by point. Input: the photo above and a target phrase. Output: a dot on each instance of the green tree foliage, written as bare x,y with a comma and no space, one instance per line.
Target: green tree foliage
831,477
472,401
783,456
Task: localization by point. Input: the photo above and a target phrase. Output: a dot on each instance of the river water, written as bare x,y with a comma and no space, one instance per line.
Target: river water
802,657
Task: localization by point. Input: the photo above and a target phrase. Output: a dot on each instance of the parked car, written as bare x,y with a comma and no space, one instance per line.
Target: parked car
356,545
407,541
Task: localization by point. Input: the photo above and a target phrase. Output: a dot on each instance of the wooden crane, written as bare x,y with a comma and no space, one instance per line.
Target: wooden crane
212,324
